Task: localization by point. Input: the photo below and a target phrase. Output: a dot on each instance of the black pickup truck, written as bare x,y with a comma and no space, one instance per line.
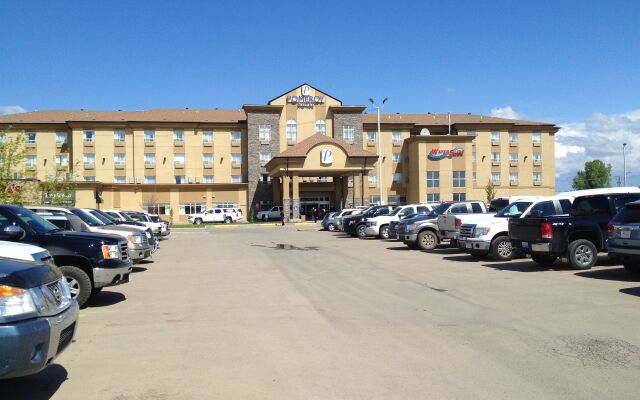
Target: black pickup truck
578,236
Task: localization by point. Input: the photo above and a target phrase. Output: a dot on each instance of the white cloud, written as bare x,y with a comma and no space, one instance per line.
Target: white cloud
599,136
4,110
505,112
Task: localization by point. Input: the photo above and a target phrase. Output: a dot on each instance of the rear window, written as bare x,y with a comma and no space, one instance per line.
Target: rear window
590,206
630,213
422,209
545,208
498,204
459,209
475,207
566,206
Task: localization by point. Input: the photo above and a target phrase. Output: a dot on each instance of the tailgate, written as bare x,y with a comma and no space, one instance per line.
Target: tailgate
525,229
447,222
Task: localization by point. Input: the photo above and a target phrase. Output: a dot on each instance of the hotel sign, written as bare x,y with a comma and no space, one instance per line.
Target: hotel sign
326,157
439,154
305,100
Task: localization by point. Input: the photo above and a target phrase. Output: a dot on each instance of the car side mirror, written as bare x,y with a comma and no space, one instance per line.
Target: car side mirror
12,232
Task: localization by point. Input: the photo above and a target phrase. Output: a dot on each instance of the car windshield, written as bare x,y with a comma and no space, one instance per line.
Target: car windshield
155,219
126,217
396,211
102,217
439,210
86,218
36,222
514,210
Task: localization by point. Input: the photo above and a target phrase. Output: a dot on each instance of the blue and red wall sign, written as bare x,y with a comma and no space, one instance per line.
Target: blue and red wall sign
439,154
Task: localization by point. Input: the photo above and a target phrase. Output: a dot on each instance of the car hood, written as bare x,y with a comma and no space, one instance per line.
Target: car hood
123,229
419,219
94,236
26,274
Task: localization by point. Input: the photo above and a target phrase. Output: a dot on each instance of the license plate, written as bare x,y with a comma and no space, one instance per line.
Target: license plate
625,234
525,244
467,245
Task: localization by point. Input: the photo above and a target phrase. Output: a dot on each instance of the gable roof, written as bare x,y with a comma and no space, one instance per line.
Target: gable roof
153,115
302,149
298,87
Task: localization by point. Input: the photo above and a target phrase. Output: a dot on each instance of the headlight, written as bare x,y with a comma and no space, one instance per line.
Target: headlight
135,239
411,227
371,223
477,232
15,301
110,251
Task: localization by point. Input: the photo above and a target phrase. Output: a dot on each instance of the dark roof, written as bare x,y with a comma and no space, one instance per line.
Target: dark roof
154,115
443,119
298,87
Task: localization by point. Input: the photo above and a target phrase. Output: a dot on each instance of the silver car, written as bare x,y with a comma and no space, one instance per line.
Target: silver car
624,236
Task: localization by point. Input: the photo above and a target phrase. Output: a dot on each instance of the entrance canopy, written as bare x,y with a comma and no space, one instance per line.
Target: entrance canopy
321,155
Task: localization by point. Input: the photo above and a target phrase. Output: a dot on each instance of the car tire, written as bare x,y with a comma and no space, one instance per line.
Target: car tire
361,231
501,249
632,267
331,227
264,218
582,254
543,259
479,254
427,240
228,220
384,232
198,221
79,283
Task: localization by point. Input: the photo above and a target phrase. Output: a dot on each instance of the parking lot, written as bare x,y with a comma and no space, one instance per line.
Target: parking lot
270,312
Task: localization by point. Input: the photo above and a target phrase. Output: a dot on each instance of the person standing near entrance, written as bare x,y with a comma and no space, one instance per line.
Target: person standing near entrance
282,217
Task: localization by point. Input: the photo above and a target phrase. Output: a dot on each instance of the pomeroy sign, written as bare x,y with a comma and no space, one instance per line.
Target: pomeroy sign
304,100
439,154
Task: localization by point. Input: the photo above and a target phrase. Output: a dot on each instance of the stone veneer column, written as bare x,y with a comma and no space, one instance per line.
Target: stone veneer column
286,198
340,119
257,190
296,197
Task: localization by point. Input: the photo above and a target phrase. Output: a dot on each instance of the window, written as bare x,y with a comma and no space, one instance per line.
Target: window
459,179
395,199
459,209
513,177
545,208
321,127
397,177
89,158
433,179
178,158
31,137
149,159
373,179
395,157
119,159
178,135
61,138
118,135
119,179
89,136
513,138
475,208
292,131
396,137
236,138
371,137
89,178
236,159
495,157
150,179
265,178
513,157
495,137
264,133
265,156
31,161
149,136
375,199
537,157
207,179
179,179
350,181
348,133
207,137
207,158
473,156
157,208
62,160
495,177
566,205
236,179
459,196
537,177
433,197
191,208
474,176
590,206
536,138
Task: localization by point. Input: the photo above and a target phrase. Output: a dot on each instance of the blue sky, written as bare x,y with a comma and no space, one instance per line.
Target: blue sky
574,63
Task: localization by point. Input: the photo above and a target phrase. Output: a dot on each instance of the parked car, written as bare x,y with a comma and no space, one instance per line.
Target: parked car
393,225
423,232
490,235
328,222
138,244
165,228
23,251
347,218
89,261
272,213
109,220
578,236
356,225
343,214
379,225
449,224
624,237
212,215
143,218
38,316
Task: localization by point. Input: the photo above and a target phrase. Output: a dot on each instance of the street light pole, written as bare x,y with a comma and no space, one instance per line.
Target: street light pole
379,151
624,165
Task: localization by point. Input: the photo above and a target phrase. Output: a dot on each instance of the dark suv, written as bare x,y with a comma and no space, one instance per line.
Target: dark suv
624,237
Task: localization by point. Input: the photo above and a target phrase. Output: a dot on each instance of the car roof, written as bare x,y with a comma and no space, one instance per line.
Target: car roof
593,192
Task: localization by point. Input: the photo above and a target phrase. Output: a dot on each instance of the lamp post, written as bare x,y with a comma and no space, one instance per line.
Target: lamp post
624,165
379,151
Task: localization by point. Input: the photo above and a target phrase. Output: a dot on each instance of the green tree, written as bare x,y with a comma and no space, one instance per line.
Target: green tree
58,189
14,188
596,174
490,191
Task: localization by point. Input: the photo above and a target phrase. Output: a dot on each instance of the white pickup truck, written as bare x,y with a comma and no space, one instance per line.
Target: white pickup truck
272,213
211,215
22,251
449,224
491,235
379,226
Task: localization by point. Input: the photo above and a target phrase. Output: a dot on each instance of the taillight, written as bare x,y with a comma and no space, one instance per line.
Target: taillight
458,223
609,228
546,231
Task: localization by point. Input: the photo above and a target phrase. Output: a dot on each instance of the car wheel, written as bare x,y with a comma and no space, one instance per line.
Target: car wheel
79,283
427,240
384,232
479,254
360,230
264,218
501,249
198,221
227,220
543,259
582,254
331,227
633,268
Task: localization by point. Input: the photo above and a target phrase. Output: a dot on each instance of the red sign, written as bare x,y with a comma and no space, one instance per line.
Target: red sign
439,154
